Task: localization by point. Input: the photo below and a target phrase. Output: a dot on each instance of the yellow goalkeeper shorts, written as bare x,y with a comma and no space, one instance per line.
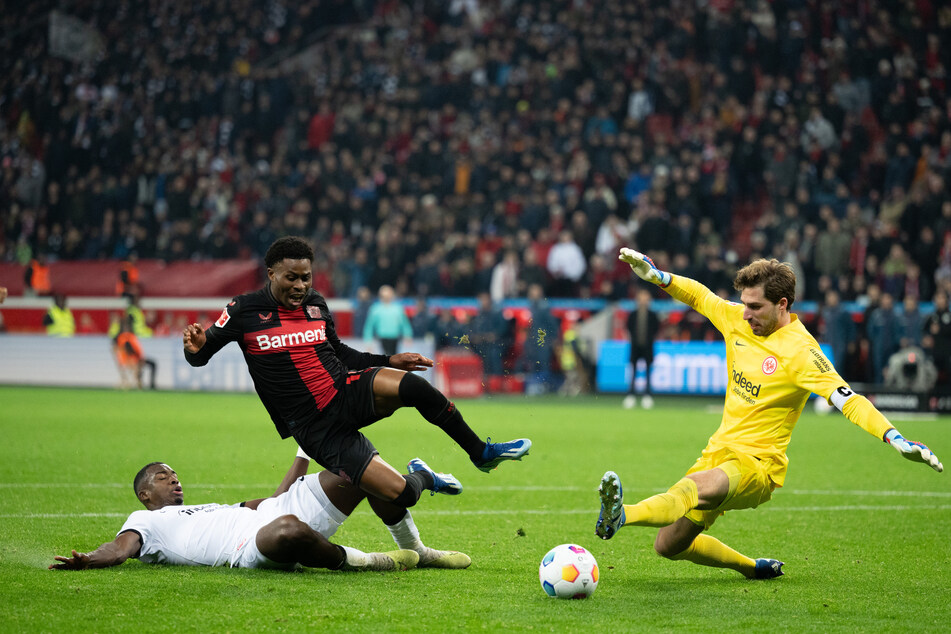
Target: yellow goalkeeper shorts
750,484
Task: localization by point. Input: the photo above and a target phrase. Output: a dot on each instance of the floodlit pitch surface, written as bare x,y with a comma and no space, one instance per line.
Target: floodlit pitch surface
864,533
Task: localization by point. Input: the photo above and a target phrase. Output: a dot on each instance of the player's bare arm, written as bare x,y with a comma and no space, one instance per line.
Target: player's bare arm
193,337
109,554
298,468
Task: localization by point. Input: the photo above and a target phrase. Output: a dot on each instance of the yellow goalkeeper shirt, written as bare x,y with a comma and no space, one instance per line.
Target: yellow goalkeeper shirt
769,378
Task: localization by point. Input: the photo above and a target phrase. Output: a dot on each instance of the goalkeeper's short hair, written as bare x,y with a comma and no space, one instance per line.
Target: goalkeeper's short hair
777,278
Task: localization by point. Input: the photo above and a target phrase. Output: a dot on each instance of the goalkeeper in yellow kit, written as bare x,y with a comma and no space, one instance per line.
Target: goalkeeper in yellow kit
773,365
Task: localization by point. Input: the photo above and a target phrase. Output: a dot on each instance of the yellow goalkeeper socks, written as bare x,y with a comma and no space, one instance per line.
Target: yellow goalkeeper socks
710,551
664,509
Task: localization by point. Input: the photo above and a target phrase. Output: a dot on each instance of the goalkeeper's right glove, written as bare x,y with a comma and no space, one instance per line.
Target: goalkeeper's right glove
644,267
914,451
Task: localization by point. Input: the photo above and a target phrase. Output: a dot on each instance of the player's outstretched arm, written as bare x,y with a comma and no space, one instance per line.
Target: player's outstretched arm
298,468
111,553
644,267
912,450
863,413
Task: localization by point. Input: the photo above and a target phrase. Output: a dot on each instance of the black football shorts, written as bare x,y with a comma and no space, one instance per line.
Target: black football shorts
334,441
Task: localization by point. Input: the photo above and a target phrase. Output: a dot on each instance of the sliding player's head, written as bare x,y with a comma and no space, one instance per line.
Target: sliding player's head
157,486
290,264
767,291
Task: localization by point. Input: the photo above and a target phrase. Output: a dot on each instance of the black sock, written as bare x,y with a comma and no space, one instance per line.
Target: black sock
416,483
441,412
387,521
343,554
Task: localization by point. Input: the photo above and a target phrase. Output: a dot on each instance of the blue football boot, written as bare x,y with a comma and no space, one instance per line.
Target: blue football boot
442,482
768,569
497,452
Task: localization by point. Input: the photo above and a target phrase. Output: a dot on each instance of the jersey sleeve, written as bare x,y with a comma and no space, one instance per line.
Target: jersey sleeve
227,328
352,359
815,373
703,300
141,522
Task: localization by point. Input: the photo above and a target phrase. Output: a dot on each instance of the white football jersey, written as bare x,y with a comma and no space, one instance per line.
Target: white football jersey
210,534
192,535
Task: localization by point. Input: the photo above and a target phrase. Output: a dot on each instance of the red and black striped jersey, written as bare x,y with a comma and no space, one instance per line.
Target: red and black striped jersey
295,357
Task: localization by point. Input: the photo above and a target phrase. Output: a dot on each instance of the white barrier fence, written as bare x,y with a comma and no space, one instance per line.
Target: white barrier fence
88,361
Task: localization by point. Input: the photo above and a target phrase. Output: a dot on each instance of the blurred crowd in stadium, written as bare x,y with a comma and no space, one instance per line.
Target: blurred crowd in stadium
450,148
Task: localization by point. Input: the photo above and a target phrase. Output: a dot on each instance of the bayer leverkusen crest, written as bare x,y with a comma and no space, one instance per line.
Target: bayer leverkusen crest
313,312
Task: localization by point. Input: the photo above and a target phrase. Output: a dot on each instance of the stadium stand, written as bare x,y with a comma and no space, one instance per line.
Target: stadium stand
418,142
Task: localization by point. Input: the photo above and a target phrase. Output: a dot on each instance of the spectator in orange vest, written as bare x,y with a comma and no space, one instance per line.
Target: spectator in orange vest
130,357
37,277
128,283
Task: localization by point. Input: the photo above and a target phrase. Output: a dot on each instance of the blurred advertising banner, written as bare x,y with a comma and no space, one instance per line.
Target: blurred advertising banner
88,361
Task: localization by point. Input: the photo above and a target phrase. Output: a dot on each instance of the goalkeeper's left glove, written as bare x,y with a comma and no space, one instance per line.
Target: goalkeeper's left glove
914,451
644,267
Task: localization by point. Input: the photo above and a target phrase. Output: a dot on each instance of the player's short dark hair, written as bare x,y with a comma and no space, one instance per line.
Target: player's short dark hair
777,279
140,476
288,247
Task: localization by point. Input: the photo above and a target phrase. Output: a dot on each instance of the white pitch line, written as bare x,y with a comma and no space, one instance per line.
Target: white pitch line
786,509
929,494
512,512
58,516
495,489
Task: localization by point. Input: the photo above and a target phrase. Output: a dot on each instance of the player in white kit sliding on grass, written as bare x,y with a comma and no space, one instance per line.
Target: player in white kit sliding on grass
289,528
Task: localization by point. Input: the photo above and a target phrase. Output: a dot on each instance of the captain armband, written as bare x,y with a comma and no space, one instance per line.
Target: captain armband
841,396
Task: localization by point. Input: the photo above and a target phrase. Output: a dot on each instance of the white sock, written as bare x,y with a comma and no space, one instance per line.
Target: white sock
405,533
355,558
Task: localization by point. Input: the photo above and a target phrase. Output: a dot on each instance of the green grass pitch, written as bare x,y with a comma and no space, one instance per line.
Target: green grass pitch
864,534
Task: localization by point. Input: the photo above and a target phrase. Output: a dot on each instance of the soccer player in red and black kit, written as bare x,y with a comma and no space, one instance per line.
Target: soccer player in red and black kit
320,391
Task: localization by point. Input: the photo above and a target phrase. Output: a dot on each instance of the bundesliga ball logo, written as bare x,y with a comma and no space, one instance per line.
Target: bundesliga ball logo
568,571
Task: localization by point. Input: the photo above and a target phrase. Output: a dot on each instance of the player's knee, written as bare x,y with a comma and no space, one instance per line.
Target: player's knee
666,547
394,493
289,531
415,391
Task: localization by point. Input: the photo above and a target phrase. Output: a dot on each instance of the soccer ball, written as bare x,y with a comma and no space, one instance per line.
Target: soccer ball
822,406
568,571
